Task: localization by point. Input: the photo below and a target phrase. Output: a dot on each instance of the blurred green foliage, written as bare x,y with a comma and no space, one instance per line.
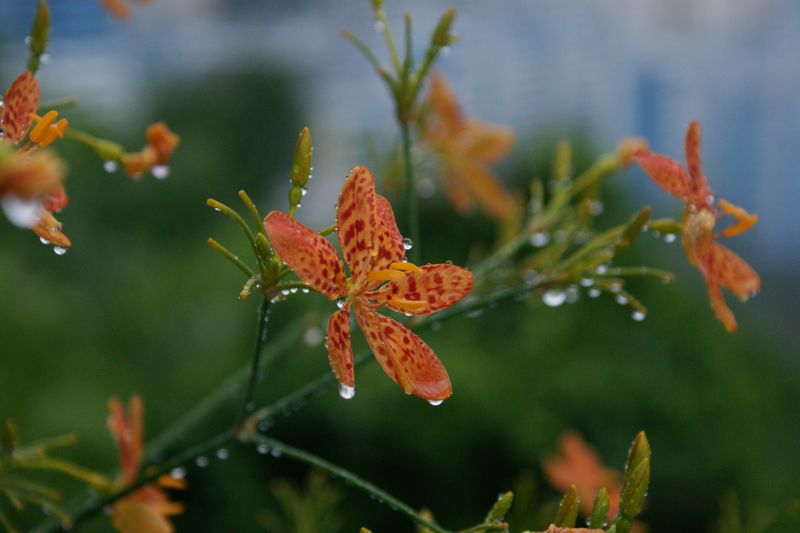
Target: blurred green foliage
140,304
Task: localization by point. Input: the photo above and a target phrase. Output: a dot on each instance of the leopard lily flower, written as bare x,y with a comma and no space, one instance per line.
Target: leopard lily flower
373,250
467,147
719,266
147,508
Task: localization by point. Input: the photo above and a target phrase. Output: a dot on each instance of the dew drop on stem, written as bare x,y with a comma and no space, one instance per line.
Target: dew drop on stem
638,316
540,239
223,453
201,461
554,297
160,172
621,299
262,449
110,166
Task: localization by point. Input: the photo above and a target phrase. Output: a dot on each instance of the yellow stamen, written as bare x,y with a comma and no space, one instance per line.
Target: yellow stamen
168,508
168,482
744,220
47,129
406,267
406,305
385,275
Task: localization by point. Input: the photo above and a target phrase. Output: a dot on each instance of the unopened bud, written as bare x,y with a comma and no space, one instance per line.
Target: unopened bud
39,34
599,509
301,167
500,508
441,34
567,513
633,229
9,437
637,478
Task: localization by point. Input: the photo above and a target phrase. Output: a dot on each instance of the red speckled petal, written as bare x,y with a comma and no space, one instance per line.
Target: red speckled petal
127,431
56,199
21,99
667,173
734,273
307,253
488,191
698,182
340,350
387,236
356,220
721,309
403,356
437,286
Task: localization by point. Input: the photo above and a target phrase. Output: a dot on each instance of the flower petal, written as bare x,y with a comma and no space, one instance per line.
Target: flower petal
21,99
340,349
444,107
132,516
388,238
486,142
356,219
403,356
435,287
721,309
698,182
734,273
667,173
127,432
488,191
307,253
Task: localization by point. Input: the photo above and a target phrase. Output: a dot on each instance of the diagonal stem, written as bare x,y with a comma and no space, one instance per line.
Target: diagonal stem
261,340
351,478
411,193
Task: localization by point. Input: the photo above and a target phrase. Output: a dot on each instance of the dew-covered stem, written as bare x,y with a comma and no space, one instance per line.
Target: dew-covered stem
412,208
261,340
230,256
349,477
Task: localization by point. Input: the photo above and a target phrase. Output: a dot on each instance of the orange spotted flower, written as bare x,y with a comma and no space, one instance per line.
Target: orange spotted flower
467,147
30,183
719,266
118,8
579,464
147,508
161,142
374,252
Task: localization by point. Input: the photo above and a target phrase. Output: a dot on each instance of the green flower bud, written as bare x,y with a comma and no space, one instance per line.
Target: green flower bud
599,509
301,167
500,508
567,513
441,34
40,30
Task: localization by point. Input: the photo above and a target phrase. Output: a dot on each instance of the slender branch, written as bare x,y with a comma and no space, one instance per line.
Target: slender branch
411,194
327,231
261,339
351,478
227,211
230,256
251,208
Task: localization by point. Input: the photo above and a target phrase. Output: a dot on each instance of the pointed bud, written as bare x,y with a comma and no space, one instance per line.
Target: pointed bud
599,509
39,34
441,34
9,437
301,167
637,478
500,508
633,229
568,509
562,168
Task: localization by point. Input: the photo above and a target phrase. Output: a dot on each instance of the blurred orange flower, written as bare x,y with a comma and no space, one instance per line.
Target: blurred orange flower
719,266
467,147
578,464
373,250
147,508
161,143
119,8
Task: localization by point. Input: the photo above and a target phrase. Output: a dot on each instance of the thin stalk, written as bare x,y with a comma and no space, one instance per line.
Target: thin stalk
227,254
394,57
327,231
251,208
261,340
411,193
349,477
236,217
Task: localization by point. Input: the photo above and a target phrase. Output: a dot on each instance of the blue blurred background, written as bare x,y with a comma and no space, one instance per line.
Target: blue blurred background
140,305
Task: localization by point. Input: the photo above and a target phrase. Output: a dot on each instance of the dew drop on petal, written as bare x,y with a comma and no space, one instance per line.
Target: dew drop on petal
59,250
110,166
340,303
554,297
20,212
346,392
540,239
160,172
44,241
407,243
435,402
638,316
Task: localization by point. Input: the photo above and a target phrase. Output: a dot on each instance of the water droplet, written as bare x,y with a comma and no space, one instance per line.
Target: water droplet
710,198
201,461
638,316
276,452
44,241
445,51
293,290
303,191
347,392
621,299
177,473
407,243
28,40
223,453
313,336
58,250
263,449
435,402
20,212
615,287
656,234
554,297
596,208
586,282
426,188
45,58
304,290
341,302
379,26
670,238
540,239
474,314
448,262
110,166
573,294
594,293
160,172
601,269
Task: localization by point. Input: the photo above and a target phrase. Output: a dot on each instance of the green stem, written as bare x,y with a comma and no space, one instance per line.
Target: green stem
255,370
349,477
327,231
411,193
227,254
